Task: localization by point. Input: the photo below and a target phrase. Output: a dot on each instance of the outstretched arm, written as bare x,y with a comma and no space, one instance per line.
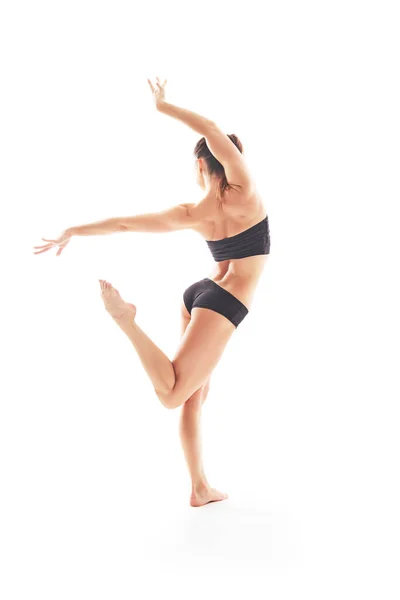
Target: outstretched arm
180,216
172,219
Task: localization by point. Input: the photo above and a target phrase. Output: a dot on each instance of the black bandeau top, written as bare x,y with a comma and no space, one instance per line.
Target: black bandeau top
250,242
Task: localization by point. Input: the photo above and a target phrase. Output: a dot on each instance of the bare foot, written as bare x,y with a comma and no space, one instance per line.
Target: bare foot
115,305
199,498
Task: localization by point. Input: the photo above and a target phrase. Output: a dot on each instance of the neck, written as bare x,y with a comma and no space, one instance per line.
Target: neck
211,185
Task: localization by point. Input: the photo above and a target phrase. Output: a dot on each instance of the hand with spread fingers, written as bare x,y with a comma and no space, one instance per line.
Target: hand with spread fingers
62,241
158,91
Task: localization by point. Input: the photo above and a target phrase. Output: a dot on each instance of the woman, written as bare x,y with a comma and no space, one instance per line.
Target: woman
232,220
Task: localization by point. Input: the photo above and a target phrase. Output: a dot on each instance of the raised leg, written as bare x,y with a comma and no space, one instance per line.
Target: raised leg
199,352
155,362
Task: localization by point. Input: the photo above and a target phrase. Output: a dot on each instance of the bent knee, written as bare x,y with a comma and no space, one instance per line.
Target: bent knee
169,400
176,398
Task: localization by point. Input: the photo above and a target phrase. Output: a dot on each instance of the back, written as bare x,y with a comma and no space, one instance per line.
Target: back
215,221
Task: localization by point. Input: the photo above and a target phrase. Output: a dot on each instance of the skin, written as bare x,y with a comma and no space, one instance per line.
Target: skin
184,381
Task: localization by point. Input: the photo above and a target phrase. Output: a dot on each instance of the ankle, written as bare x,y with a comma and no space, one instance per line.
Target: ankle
200,486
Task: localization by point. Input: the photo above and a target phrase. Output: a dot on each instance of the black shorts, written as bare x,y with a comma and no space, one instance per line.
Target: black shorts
208,294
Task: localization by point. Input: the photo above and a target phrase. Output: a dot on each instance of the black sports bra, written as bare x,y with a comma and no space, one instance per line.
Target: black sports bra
250,242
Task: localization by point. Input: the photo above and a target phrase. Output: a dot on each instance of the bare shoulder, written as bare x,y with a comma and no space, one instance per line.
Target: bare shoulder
213,219
198,215
243,202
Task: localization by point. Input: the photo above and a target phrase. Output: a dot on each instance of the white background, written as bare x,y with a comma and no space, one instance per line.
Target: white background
301,424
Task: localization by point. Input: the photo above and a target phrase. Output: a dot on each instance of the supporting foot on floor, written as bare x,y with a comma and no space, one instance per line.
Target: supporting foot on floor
204,495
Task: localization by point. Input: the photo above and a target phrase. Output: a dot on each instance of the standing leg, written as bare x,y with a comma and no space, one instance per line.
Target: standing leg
190,436
176,381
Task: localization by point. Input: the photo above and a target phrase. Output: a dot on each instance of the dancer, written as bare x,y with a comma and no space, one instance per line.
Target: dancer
232,220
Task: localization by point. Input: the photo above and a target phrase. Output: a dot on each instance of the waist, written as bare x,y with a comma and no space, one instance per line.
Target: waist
239,281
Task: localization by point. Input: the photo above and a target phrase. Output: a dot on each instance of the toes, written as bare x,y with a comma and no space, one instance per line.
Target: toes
220,495
105,285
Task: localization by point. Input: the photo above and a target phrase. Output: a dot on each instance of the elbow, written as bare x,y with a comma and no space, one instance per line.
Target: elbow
209,126
122,227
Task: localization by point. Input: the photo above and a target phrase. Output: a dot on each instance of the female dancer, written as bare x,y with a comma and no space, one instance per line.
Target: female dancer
232,220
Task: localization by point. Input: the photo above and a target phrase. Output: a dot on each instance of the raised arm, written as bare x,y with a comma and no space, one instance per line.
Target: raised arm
230,157
200,124
220,145
195,121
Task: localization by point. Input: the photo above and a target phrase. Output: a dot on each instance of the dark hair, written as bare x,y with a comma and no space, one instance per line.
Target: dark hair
214,167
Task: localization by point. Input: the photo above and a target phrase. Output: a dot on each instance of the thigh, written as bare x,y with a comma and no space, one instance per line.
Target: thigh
185,318
202,392
200,349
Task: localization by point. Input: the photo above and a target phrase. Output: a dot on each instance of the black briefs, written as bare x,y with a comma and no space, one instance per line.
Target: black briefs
208,294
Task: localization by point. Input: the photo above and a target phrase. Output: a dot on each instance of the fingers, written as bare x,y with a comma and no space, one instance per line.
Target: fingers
45,250
158,83
46,247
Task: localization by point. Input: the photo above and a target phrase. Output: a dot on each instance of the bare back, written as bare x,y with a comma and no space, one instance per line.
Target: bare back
215,220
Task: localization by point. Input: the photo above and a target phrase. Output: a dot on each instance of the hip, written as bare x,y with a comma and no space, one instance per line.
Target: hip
207,293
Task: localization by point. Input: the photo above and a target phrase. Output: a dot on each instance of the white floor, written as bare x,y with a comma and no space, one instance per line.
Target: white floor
95,500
